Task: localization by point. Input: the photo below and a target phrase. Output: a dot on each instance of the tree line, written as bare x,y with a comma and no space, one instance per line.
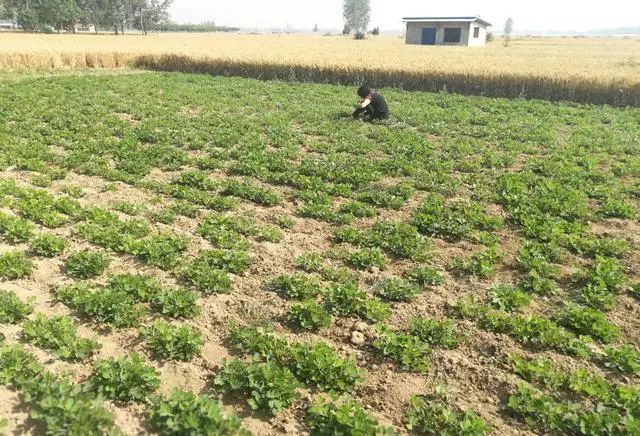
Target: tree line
65,15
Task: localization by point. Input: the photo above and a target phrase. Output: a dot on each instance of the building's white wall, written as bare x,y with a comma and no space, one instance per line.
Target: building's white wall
414,33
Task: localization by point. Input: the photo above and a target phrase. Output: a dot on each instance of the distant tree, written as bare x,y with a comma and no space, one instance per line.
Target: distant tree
508,29
357,14
489,36
315,28
375,31
346,30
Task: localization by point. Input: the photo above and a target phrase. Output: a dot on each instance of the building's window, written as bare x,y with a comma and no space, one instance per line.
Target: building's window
452,34
476,32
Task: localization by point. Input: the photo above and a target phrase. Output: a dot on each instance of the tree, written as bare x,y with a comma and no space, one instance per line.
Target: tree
357,14
508,29
315,28
346,29
375,31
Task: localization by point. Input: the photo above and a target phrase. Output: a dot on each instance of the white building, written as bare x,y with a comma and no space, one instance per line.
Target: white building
462,31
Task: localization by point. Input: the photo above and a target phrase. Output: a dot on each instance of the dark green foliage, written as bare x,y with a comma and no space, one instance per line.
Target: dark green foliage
298,287
425,276
124,379
176,303
366,259
342,416
205,279
15,265
172,342
432,415
482,265
233,261
308,316
508,298
47,245
625,359
111,306
347,299
436,333
266,386
86,264
587,321
395,289
12,309
183,413
309,262
137,287
59,334
408,351
248,191
452,221
163,250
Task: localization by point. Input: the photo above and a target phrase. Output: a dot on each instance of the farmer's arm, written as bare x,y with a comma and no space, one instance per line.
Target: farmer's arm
361,107
366,102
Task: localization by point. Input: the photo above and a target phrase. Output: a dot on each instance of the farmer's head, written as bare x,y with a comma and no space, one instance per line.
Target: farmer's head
363,91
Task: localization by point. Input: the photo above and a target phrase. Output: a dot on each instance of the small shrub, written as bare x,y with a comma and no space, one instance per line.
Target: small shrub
425,276
309,262
308,316
46,245
138,287
182,413
395,289
434,416
233,261
625,359
299,286
508,298
86,264
480,265
347,299
12,309
170,342
366,259
162,250
124,379
206,280
436,333
15,265
587,321
269,234
58,333
408,351
266,386
176,303
15,230
342,416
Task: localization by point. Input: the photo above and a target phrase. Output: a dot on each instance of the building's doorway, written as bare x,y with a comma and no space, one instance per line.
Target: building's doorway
428,36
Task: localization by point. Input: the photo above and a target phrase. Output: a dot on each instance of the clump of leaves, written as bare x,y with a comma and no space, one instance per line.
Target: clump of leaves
285,222
15,265
299,286
508,297
436,333
111,306
269,234
342,416
86,264
396,289
15,230
205,279
12,309
59,334
138,287
163,250
233,261
347,299
588,321
425,276
47,245
183,413
171,342
625,359
176,303
408,351
366,259
309,262
266,386
480,265
432,415
124,379
308,316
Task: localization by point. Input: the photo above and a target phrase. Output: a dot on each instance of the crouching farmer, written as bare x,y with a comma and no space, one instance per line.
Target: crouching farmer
372,107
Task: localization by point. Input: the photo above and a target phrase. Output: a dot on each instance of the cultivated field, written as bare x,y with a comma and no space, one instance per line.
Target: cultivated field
468,267
598,70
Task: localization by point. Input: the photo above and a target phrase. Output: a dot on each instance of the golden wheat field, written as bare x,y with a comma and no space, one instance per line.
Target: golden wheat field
586,70
604,59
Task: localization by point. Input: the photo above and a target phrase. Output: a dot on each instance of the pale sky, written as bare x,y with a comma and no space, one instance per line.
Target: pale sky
579,15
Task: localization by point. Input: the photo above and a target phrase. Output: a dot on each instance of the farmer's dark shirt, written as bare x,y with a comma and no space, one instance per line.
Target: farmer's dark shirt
379,105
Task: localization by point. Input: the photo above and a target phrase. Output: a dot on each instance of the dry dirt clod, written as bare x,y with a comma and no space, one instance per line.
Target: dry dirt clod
357,338
360,326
